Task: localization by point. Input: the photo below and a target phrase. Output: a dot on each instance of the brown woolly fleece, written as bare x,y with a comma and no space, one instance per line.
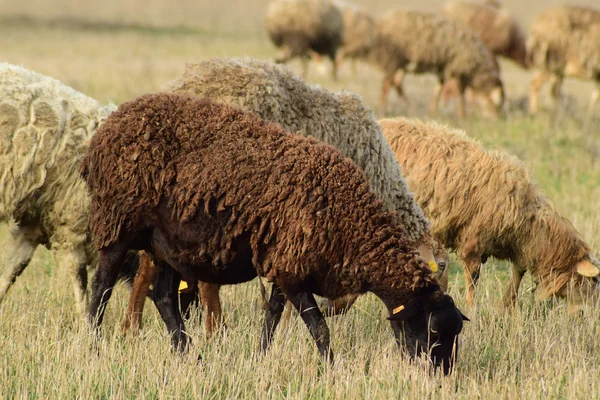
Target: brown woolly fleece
496,27
305,211
484,203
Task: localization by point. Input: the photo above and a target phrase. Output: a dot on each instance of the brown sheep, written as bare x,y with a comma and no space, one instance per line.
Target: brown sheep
497,28
305,29
563,42
219,195
421,42
484,203
358,25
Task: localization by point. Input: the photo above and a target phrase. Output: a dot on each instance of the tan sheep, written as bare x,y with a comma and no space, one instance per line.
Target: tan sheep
564,42
484,203
421,42
305,28
497,28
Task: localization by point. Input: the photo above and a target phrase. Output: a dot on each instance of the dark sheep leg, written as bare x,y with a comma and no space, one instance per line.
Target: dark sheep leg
110,261
272,316
165,296
308,309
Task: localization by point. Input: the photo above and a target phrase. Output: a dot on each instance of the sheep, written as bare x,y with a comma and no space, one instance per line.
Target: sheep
275,94
497,28
563,42
484,203
304,28
420,42
45,127
219,195
358,25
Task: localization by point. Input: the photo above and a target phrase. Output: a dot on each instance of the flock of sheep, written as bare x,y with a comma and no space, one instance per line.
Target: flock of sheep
204,183
459,46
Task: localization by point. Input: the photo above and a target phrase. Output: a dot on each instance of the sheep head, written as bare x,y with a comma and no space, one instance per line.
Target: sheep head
429,324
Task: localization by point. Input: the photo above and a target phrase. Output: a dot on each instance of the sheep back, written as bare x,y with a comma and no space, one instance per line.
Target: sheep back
45,127
275,94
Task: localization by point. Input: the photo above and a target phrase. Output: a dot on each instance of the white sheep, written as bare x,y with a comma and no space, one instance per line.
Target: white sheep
45,128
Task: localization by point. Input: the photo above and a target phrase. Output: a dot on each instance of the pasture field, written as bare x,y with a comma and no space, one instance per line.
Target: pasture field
115,52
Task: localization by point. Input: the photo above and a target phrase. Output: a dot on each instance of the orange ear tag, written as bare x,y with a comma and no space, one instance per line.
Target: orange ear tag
182,286
397,309
433,266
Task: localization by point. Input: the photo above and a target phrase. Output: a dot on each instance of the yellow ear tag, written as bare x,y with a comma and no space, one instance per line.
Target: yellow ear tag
182,286
397,309
433,266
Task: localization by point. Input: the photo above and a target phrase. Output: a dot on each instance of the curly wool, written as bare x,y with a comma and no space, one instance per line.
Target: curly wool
44,131
303,25
497,28
485,202
307,210
275,94
564,41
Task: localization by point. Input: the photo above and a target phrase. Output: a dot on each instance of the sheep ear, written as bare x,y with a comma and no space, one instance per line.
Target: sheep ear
587,269
464,317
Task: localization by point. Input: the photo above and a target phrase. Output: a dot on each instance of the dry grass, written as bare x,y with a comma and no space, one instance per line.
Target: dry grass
114,53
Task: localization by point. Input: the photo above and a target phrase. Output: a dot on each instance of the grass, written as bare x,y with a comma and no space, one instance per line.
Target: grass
117,52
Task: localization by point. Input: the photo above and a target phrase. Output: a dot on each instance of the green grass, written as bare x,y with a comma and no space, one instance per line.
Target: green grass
117,52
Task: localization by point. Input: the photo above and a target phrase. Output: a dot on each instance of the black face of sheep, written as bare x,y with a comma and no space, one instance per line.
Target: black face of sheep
430,324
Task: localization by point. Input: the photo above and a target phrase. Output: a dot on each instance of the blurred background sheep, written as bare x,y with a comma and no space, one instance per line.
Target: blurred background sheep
302,28
564,42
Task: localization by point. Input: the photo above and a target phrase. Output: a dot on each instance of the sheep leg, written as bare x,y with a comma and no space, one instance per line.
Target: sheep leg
211,307
308,309
556,89
110,261
21,246
510,296
334,70
272,317
74,260
398,85
339,306
534,92
141,285
462,107
435,101
165,296
385,89
472,268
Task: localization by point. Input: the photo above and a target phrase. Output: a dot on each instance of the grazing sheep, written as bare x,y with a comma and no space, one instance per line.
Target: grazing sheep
497,28
45,129
484,203
275,94
563,42
358,25
421,42
302,28
219,195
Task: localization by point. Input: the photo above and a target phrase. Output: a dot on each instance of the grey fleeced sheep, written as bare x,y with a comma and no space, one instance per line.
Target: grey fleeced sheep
497,28
219,195
564,42
302,28
484,203
421,42
45,128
